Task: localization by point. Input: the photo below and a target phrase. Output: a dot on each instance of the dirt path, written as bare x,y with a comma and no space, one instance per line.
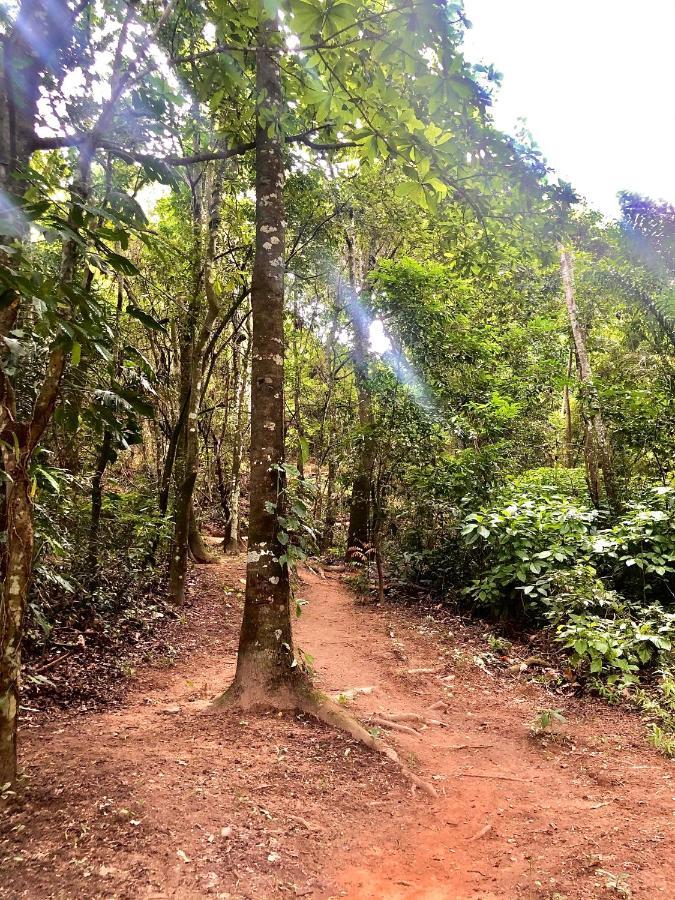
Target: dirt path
163,797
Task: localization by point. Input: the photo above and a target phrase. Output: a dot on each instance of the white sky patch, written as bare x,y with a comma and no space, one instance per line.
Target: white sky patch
148,196
593,79
379,342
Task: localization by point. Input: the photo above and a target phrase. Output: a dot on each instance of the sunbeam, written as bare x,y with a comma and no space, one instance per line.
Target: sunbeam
389,350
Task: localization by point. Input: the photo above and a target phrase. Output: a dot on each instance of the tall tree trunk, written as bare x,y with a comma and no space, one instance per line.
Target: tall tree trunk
233,542
330,518
20,539
192,345
266,665
358,532
104,456
326,449
599,452
91,565
19,440
297,386
567,415
196,543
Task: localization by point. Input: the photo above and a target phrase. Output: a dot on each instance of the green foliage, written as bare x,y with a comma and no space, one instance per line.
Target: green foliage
297,534
521,541
615,649
643,542
533,537
546,720
63,596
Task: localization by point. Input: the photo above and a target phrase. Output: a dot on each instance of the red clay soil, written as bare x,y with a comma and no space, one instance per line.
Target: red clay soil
165,797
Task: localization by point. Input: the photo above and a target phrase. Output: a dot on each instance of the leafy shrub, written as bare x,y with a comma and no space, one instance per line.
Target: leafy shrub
521,543
643,545
63,593
616,648
527,537
545,481
548,549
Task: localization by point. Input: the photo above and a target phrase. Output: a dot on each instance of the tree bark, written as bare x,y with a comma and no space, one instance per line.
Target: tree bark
567,415
20,538
330,517
232,542
196,543
192,345
104,456
297,387
599,452
266,665
19,440
359,530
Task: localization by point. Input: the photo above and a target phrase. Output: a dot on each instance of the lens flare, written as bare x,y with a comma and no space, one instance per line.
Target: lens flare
390,352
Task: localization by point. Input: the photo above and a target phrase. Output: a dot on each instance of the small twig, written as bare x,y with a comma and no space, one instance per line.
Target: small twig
479,834
463,746
310,826
477,775
52,663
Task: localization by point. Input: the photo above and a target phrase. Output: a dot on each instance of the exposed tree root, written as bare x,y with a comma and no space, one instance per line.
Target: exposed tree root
232,548
411,717
439,704
481,775
326,711
302,696
402,717
394,726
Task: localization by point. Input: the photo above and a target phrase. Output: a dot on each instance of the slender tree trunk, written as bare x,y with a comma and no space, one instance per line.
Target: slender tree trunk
358,533
378,522
197,545
232,542
103,458
15,592
91,566
599,453
567,415
266,665
326,446
297,386
185,464
19,440
170,459
330,518
192,345
235,542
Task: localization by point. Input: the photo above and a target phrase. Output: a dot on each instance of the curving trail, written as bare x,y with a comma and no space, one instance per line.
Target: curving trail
164,797
587,816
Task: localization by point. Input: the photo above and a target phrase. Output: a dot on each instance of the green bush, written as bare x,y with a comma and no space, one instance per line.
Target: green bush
642,545
63,593
520,542
615,649
604,589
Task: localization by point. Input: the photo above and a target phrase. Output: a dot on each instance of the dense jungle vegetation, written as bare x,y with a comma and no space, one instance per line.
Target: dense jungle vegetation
270,273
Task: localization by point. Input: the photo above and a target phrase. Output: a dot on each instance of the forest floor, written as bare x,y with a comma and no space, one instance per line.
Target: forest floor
162,796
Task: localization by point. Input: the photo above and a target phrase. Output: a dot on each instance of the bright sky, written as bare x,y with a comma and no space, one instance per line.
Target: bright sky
594,81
